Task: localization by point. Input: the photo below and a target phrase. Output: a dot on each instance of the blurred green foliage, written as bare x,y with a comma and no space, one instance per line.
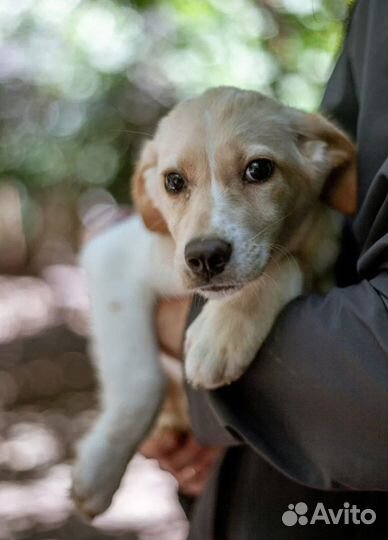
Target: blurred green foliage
82,81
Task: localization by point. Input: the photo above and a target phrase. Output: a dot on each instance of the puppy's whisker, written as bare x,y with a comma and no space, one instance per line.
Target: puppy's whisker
284,252
261,283
271,279
132,132
260,233
281,249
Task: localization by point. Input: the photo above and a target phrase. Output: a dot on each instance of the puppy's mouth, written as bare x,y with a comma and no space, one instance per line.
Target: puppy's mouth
218,291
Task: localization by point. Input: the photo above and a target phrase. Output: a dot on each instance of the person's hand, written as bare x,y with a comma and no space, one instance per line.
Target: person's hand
180,454
170,318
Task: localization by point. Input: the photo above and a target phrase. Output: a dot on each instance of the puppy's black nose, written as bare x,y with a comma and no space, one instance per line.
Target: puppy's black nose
207,257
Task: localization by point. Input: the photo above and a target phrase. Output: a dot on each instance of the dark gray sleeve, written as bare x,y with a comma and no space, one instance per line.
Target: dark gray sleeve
314,402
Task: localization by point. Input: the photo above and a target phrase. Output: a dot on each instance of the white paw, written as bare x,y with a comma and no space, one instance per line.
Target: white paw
219,348
97,473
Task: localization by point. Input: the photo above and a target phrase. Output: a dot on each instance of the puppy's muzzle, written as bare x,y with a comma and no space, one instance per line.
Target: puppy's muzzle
207,257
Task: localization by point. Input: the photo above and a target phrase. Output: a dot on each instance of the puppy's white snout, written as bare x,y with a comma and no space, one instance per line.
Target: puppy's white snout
207,257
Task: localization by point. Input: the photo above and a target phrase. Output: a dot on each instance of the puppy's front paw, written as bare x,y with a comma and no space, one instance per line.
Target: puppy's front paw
219,347
97,474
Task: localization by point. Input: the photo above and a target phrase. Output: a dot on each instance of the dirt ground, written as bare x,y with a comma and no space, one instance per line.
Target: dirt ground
47,400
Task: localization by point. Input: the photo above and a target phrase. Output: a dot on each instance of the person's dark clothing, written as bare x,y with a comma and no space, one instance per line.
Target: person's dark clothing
309,420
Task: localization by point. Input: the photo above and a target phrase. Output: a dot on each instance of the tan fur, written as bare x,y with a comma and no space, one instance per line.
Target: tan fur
152,218
174,416
340,189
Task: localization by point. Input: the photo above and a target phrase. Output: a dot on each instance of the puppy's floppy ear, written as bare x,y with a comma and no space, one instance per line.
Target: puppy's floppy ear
333,157
151,216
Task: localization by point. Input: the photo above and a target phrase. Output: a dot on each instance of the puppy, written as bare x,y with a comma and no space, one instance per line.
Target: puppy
235,197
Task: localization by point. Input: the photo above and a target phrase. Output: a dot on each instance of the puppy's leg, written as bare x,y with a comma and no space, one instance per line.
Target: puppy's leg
223,340
126,267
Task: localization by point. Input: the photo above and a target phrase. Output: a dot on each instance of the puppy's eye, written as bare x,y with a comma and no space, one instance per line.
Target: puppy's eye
174,183
259,171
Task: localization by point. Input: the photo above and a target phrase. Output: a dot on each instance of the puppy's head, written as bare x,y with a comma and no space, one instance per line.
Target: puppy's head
230,175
